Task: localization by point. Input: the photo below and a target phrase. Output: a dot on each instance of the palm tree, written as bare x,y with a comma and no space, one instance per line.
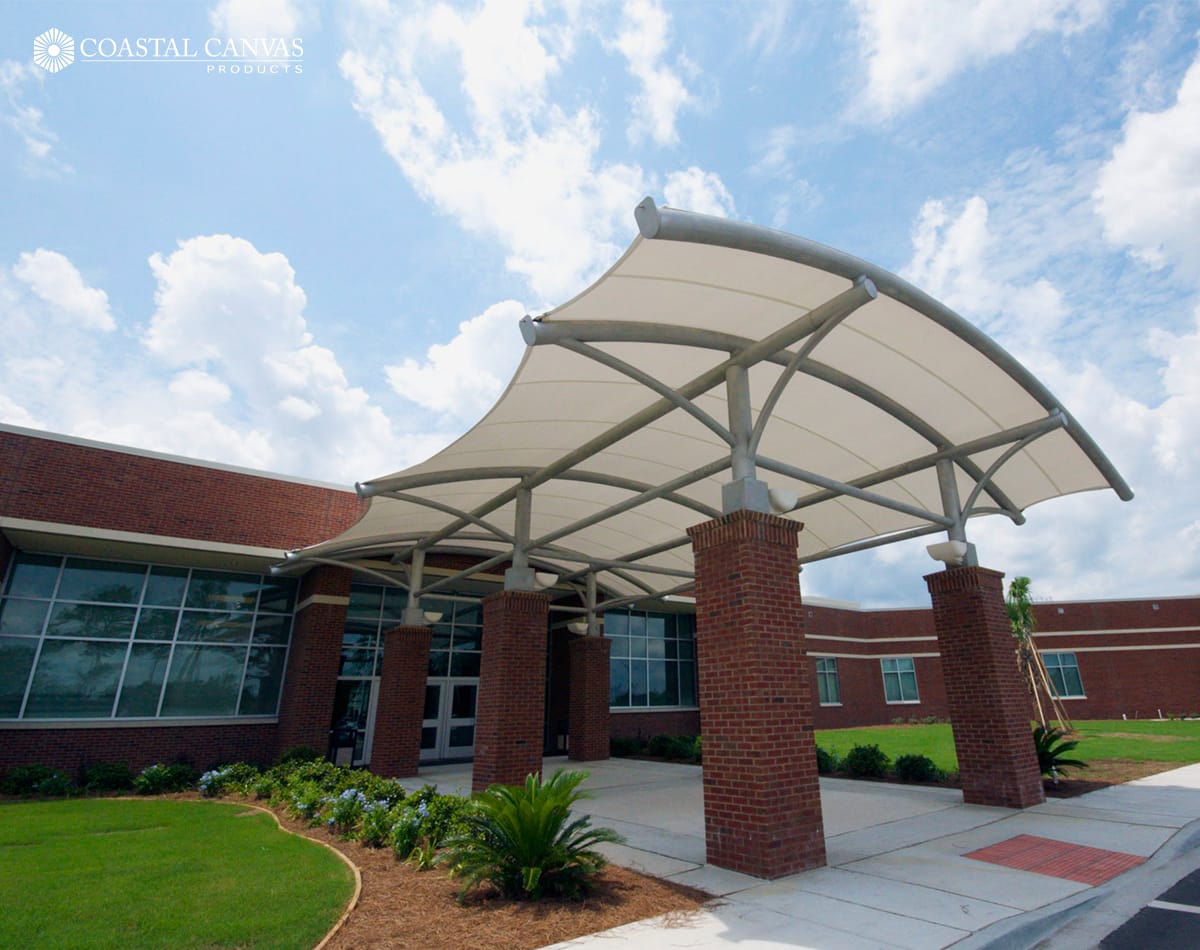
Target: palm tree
1020,619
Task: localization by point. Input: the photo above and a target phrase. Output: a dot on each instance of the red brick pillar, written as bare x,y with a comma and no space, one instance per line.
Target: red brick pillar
762,801
510,710
310,684
396,746
989,704
589,698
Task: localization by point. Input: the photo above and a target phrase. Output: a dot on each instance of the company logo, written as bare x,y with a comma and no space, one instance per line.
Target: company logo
53,50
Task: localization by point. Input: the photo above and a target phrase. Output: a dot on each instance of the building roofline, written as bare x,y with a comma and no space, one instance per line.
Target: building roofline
167,457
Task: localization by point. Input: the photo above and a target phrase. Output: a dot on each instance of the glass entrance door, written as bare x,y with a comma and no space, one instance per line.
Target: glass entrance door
354,706
448,728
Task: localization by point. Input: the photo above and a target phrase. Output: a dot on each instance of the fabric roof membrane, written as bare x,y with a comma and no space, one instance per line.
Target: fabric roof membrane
627,416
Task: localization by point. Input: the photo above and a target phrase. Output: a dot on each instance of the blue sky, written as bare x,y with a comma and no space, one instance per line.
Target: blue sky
318,270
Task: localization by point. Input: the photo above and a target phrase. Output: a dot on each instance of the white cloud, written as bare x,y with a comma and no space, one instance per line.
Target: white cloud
226,368
198,388
27,121
1148,192
697,190
953,260
464,378
1075,546
497,153
912,47
254,19
661,93
54,280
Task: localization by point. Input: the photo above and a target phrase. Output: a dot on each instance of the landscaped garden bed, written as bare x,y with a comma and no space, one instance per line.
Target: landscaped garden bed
404,845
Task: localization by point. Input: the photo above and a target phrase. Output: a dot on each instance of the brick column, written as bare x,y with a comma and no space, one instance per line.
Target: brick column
989,704
589,698
396,746
310,684
510,709
762,801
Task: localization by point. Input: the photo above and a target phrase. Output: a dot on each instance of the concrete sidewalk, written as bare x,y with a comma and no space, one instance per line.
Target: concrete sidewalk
899,874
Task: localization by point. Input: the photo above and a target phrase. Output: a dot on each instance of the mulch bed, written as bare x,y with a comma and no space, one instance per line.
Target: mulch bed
403,907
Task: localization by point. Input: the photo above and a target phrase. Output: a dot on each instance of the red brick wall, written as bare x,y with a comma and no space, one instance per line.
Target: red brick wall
589,698
72,749
510,709
762,803
310,683
646,725
47,480
396,746
989,703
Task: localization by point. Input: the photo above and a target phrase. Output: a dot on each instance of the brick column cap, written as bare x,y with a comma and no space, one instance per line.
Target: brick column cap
745,525
401,630
964,578
520,601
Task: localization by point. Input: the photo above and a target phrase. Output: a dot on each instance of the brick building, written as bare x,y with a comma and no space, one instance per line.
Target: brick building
70,506
530,587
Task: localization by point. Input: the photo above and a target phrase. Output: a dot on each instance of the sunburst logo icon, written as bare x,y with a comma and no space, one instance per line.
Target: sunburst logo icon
54,50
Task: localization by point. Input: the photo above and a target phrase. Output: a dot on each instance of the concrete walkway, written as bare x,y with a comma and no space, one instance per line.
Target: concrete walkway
898,873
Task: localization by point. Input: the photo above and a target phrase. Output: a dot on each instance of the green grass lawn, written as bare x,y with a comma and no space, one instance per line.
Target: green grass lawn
126,873
1142,740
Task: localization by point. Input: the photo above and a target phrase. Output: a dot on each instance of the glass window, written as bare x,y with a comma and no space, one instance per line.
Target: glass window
16,659
75,644
217,590
1063,669
156,624
264,676
23,618
828,690
75,679
33,575
652,659
214,627
110,582
203,681
144,675
166,586
91,621
899,680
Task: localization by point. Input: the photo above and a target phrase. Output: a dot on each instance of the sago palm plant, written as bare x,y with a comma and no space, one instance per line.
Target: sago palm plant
1052,747
522,839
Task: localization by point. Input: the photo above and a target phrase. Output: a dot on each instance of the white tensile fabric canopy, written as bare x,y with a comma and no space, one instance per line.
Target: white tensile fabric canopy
712,357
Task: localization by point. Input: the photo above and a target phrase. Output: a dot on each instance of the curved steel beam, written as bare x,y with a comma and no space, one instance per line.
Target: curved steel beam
420,480
671,225
655,385
451,510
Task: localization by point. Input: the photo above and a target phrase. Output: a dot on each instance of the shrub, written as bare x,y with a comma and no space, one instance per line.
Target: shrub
827,761
866,761
917,768
522,840
672,747
298,756
305,801
238,777
697,749
344,812
624,745
406,831
377,821
1052,747
160,779
24,779
57,785
107,777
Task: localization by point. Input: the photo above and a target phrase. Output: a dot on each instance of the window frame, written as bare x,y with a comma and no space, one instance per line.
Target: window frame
823,676
140,604
629,630
1059,667
899,675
